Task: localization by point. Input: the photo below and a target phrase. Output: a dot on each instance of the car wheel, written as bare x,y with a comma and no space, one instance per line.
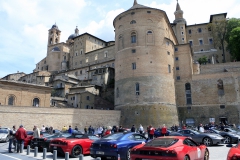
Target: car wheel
227,140
76,151
207,141
128,154
186,158
206,155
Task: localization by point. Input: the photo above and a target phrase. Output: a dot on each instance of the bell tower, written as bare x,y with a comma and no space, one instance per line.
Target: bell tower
180,23
54,35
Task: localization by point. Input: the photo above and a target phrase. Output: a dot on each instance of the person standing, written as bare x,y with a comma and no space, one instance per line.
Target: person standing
76,128
99,131
140,129
164,130
36,132
133,128
151,132
21,134
11,139
70,130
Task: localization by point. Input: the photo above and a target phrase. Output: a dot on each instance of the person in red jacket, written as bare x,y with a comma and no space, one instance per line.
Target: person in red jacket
151,132
20,135
164,130
109,128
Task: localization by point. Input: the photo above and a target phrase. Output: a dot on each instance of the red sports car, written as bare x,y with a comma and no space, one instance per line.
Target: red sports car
234,152
170,148
75,145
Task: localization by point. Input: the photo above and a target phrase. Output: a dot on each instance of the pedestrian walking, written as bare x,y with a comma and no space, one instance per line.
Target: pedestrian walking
164,130
133,128
140,129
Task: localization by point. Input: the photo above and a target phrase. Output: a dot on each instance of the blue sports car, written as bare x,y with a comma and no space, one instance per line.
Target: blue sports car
116,145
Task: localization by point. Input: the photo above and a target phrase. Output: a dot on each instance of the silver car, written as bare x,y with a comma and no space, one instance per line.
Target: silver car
208,139
4,135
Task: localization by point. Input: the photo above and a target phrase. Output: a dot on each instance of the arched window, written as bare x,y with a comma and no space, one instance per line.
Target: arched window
50,41
133,37
36,102
188,93
11,100
137,89
149,37
133,22
56,41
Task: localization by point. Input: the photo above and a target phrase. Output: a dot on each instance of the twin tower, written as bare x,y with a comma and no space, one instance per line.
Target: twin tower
144,67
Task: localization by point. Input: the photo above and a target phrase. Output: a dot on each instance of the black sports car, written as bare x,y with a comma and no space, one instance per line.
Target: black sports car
44,142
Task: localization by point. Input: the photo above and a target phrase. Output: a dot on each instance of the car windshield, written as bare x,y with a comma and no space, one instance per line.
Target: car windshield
113,136
161,142
3,131
215,131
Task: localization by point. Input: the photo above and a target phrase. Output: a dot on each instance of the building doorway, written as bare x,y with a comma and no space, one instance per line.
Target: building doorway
223,120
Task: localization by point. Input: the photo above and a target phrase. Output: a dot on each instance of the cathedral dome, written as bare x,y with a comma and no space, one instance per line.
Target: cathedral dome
72,36
54,26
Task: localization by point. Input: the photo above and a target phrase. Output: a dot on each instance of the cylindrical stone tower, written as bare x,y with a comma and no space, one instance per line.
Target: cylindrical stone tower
144,67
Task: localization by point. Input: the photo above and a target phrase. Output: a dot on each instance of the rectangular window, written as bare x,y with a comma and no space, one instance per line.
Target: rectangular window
200,42
168,52
134,66
81,72
137,88
191,43
169,68
190,31
177,68
106,55
210,41
199,30
80,62
182,39
88,98
178,77
133,50
176,49
86,60
176,58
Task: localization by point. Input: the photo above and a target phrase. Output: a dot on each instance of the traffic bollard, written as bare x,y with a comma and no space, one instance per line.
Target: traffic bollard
98,158
35,151
54,154
66,156
28,149
44,153
81,157
21,148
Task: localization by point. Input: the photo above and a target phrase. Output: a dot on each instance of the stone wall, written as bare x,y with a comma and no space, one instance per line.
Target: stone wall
30,116
201,114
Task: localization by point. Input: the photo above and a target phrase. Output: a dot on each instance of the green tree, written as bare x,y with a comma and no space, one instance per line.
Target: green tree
219,30
234,43
203,60
232,24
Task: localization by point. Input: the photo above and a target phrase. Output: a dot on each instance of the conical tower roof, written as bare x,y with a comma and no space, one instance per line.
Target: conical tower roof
136,5
178,8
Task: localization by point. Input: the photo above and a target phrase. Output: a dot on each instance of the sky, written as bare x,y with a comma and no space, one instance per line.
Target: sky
25,23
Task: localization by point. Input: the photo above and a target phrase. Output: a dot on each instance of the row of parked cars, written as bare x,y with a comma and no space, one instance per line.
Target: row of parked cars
184,144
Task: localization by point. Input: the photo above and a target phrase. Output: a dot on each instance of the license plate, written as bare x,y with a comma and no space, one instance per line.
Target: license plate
98,152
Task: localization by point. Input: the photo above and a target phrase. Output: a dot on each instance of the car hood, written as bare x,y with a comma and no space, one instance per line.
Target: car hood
3,135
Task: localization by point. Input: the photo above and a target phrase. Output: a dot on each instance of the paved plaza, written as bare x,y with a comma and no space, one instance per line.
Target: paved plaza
218,152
